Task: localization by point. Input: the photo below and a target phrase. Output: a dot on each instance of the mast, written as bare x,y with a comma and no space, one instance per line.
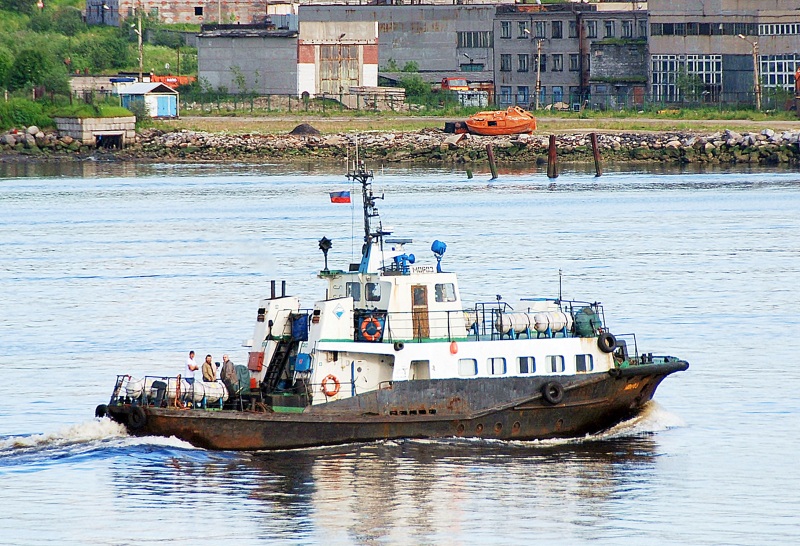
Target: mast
364,177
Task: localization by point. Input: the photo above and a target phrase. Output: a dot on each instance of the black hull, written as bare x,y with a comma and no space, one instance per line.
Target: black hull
509,409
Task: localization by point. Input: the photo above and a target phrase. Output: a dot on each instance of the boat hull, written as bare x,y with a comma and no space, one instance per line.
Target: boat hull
512,409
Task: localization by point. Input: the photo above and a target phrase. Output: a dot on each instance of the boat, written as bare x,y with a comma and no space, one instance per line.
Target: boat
392,352
511,121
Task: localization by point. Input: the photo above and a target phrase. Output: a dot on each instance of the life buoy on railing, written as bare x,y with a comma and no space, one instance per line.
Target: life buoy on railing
336,386
606,342
371,329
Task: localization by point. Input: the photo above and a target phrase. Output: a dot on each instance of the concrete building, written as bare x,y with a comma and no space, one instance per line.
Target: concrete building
248,59
570,52
441,40
705,50
113,12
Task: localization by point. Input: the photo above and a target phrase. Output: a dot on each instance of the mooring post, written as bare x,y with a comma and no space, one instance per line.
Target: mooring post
492,165
552,159
596,152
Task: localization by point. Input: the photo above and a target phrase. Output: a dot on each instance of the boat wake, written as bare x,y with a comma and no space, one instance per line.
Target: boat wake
84,440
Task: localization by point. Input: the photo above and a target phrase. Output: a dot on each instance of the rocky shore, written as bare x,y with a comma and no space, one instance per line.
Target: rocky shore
429,145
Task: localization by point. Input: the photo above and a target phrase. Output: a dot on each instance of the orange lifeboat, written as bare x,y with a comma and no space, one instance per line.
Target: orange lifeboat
511,121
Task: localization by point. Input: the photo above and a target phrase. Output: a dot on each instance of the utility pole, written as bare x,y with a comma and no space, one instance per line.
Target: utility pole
141,49
538,71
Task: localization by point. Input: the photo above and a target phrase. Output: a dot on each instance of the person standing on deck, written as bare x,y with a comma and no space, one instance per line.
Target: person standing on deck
209,371
191,367
228,372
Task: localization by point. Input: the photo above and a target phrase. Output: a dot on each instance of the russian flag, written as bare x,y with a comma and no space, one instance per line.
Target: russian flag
340,197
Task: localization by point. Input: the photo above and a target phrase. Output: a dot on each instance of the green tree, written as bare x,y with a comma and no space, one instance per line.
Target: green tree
29,68
416,88
411,66
19,6
6,60
68,21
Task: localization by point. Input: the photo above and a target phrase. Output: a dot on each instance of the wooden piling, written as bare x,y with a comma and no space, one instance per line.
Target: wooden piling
598,171
552,159
492,164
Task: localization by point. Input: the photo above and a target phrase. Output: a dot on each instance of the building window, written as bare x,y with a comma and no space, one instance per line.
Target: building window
609,29
555,363
556,29
373,291
522,29
467,367
777,71
542,94
574,94
573,29
505,94
543,63
505,29
584,363
527,364
591,29
574,62
643,28
558,93
475,39
505,62
445,292
353,290
627,29
705,71
523,96
472,67
522,62
198,11
496,366
540,29
558,62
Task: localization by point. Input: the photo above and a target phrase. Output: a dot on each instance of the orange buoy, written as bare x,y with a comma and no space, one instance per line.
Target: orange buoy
453,347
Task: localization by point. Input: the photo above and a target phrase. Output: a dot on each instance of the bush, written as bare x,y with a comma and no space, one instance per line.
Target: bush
68,21
6,60
28,69
22,113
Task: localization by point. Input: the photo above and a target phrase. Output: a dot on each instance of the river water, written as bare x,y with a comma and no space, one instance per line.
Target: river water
122,268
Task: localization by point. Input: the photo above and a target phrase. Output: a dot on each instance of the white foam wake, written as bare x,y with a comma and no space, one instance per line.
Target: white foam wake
89,431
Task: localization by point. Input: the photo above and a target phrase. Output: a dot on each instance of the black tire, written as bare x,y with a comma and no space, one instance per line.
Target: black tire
553,392
398,345
137,418
607,342
101,411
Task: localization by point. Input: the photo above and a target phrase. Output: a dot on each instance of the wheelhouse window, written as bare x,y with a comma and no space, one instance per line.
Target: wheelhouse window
373,291
467,367
445,292
353,291
555,363
496,366
584,363
527,364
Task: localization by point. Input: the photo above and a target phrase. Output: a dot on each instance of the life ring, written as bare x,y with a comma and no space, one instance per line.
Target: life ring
137,418
606,342
553,392
371,323
336,386
101,411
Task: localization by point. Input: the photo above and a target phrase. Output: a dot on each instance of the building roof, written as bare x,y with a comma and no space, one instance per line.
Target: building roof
145,88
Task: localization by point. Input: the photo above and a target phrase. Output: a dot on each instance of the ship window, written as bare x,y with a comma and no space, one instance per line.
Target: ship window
527,364
496,366
555,363
467,367
583,363
445,292
354,290
373,291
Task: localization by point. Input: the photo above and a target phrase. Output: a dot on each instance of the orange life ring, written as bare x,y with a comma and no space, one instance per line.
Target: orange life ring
376,325
336,386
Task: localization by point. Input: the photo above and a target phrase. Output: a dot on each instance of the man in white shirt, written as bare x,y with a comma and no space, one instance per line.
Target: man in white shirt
191,367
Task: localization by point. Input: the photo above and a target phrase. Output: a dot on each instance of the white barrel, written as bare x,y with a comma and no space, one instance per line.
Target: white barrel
172,383
135,387
210,391
554,320
518,322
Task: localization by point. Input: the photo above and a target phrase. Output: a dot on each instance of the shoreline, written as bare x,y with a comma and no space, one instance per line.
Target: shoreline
429,146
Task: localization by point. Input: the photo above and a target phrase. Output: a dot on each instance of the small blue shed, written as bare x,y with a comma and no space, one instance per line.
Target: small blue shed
161,100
